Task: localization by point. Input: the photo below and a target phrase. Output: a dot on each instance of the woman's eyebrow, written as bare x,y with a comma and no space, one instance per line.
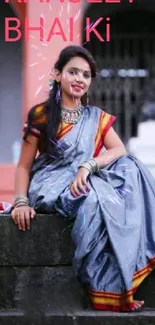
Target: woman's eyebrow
79,69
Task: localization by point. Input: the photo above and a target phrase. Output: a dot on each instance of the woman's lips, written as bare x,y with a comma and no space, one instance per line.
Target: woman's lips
77,88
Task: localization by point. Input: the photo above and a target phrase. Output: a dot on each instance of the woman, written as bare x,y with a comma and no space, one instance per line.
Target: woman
103,191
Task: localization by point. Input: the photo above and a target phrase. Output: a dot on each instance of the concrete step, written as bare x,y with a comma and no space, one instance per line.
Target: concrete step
52,295
48,242
38,285
145,317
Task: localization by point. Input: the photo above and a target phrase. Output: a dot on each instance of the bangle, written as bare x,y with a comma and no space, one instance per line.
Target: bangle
21,200
94,165
17,205
91,165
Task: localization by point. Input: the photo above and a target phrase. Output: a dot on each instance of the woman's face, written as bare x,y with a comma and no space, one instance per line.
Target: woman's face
75,78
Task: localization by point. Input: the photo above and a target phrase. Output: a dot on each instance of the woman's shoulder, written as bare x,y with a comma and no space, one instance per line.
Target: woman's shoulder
37,109
37,114
96,110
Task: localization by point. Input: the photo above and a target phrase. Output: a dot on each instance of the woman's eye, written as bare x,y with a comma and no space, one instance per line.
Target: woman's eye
86,76
73,72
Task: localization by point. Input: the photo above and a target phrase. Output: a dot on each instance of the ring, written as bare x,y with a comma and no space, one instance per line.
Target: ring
17,214
70,184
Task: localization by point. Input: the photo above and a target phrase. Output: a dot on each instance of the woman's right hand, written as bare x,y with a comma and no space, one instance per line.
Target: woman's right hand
22,216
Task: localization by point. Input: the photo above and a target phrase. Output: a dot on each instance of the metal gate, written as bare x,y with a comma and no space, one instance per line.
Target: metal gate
126,68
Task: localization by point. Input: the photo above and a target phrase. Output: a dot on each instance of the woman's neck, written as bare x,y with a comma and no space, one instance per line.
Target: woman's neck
70,103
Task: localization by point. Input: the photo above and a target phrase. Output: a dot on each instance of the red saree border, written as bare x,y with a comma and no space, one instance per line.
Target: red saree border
109,124
120,302
105,122
65,129
104,307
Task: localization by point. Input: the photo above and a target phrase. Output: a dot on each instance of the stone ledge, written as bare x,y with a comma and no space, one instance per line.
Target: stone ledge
96,318
40,290
48,242
52,291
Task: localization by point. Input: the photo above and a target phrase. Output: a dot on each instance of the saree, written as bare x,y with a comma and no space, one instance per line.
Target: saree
114,225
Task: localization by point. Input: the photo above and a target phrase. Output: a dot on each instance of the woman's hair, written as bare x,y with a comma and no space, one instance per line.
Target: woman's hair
52,106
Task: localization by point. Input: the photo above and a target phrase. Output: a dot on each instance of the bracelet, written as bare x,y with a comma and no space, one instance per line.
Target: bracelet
17,205
91,165
21,196
94,165
21,200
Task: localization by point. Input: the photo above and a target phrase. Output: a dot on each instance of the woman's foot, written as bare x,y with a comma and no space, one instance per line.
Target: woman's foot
137,304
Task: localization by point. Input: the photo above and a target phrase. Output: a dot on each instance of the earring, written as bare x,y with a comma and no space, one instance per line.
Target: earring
87,99
58,94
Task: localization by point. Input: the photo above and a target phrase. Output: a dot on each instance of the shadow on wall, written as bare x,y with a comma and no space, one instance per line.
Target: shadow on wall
10,90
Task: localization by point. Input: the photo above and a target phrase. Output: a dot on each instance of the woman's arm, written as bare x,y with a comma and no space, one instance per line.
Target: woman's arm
22,215
114,149
27,155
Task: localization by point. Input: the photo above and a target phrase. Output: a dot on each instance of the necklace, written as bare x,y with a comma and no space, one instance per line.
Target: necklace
71,116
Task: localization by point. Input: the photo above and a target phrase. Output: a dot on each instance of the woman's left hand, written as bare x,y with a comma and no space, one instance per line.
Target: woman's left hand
79,182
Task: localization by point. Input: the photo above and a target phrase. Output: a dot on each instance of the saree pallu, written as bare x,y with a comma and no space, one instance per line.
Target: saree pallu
114,222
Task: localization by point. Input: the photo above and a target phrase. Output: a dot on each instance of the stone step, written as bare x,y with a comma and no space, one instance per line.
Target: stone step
53,296
48,242
38,285
145,317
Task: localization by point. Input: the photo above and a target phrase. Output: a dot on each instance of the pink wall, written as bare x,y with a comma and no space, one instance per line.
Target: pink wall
7,171
44,54
38,59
